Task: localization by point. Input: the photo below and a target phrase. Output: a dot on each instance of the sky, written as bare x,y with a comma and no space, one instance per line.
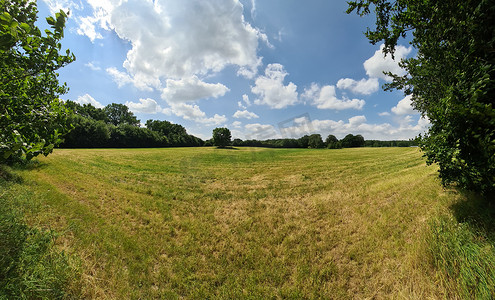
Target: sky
263,69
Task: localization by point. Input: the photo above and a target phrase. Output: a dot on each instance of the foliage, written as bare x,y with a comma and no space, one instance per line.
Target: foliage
93,128
332,142
315,141
118,114
87,111
32,118
351,141
87,133
129,136
451,80
221,137
398,143
30,267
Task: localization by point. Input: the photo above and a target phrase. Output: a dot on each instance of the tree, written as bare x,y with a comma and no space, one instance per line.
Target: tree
87,133
120,114
32,117
315,141
87,110
332,142
303,141
451,80
221,137
350,141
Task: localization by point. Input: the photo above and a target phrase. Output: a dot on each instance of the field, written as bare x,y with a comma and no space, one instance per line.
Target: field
201,223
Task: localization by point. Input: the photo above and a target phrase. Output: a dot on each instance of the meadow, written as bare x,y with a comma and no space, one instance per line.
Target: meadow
253,223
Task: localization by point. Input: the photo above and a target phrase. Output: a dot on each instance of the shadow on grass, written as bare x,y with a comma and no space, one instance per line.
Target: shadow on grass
462,248
478,213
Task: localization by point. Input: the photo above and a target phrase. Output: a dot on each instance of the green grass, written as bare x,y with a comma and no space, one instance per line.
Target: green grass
246,223
30,267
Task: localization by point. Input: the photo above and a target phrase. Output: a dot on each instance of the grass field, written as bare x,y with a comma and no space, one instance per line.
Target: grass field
201,223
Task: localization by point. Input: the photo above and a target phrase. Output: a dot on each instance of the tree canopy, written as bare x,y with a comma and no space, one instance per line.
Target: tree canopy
98,127
221,136
117,114
32,117
451,80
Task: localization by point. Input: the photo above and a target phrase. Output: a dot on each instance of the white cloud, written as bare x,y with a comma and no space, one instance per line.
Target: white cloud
92,66
383,114
260,131
87,99
404,107
194,113
87,27
377,64
271,89
141,81
56,5
363,86
245,114
326,98
245,98
357,120
191,89
179,38
147,105
236,124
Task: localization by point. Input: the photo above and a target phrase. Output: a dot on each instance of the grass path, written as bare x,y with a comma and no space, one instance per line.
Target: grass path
251,223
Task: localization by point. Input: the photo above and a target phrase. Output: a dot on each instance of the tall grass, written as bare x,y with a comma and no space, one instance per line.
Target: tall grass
30,267
461,246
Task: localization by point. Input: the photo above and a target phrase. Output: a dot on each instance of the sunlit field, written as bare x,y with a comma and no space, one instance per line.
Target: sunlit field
200,223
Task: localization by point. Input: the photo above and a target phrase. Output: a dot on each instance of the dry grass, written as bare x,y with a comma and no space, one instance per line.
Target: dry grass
247,223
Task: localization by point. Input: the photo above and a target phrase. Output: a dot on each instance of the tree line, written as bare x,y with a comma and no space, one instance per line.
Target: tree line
115,126
221,138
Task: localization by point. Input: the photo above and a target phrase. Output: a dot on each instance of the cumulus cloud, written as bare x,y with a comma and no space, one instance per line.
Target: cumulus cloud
191,89
236,124
140,81
383,114
326,98
271,89
87,99
260,131
378,63
180,38
147,105
87,27
363,86
194,113
245,114
404,107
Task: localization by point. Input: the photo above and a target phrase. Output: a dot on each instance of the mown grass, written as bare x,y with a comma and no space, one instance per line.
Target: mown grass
249,223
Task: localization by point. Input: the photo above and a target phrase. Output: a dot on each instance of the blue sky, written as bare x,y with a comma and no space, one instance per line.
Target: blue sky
263,69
